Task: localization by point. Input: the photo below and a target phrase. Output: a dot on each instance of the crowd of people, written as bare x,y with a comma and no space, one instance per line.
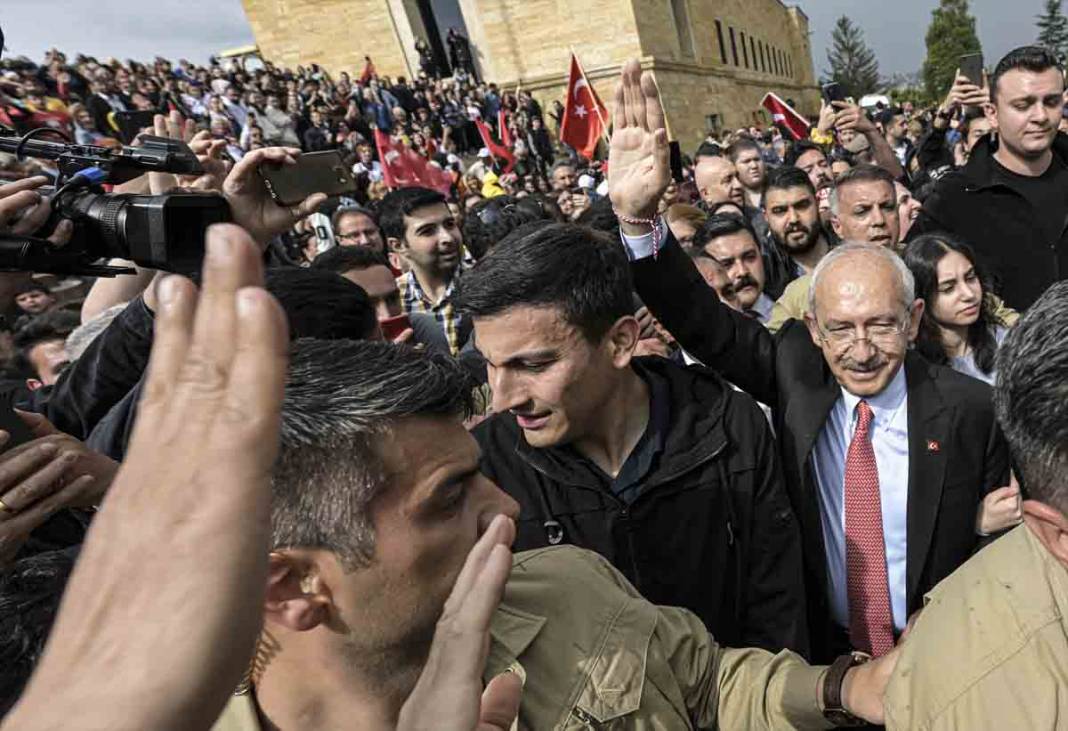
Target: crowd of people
776,442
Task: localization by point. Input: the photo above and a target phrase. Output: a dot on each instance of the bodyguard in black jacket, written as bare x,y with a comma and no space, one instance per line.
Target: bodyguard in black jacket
686,499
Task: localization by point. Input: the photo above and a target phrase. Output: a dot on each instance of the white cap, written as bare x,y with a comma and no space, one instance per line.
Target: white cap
453,159
585,181
484,152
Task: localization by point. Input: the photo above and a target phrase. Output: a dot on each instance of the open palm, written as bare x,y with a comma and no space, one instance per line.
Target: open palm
639,167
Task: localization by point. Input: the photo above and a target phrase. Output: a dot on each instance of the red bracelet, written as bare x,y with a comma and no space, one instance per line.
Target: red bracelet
650,222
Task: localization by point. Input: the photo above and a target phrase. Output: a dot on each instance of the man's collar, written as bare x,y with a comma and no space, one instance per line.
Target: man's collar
885,402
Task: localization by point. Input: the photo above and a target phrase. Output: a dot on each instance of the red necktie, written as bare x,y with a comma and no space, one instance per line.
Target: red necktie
871,623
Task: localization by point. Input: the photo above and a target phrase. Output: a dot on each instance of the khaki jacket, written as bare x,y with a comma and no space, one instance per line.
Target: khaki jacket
990,649
794,304
595,655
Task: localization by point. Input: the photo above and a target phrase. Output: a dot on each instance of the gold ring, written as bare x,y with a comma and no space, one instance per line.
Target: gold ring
4,508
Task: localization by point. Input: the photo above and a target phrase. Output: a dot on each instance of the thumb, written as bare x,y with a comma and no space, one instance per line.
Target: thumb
38,424
500,702
1003,493
661,148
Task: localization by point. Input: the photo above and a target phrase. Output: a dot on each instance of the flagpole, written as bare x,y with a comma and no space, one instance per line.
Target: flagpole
593,95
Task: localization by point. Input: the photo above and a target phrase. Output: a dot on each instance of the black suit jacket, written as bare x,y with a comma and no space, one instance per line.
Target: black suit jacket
956,451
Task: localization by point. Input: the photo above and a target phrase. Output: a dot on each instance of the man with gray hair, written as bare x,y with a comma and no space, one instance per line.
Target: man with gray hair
990,650
886,456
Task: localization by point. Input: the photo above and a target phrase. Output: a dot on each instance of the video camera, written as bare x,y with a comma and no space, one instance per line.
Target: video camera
155,231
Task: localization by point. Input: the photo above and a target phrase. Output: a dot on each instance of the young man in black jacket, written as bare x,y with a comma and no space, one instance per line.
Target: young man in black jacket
666,471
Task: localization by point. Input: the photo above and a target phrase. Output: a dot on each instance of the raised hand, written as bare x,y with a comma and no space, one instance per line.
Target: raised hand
965,93
639,159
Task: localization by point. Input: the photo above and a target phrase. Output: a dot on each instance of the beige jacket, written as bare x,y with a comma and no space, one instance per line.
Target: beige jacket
990,649
596,655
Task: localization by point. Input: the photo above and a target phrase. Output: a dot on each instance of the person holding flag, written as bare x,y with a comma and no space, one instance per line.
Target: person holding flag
583,124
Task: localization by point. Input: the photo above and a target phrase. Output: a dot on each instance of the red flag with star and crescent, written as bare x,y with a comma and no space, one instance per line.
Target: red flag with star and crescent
584,114
783,115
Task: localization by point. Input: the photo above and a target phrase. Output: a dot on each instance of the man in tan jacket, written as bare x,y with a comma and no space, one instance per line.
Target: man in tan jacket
990,649
377,500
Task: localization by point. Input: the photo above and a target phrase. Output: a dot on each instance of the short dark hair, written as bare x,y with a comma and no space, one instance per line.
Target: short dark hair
740,145
719,225
32,286
321,304
708,149
581,271
784,177
335,219
1031,397
492,219
400,203
1029,58
342,397
859,174
54,325
30,592
341,259
799,148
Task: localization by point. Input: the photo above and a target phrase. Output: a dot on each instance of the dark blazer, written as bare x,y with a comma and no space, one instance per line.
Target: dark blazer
956,451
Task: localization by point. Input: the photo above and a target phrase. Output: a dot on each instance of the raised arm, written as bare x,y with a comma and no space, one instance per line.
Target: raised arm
668,283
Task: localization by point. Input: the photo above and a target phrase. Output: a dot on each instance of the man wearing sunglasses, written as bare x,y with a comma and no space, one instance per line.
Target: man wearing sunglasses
886,457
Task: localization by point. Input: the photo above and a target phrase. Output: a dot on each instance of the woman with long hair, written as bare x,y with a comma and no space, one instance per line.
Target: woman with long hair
959,328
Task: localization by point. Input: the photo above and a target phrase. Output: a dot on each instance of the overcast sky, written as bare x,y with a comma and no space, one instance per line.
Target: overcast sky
142,29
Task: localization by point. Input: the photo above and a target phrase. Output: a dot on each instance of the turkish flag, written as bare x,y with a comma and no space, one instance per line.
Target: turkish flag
499,151
403,167
784,115
583,124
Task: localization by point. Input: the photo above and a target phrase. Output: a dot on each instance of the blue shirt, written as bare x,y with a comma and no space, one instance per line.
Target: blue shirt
890,441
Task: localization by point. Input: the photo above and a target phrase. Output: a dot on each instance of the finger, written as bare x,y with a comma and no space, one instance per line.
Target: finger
177,298
619,111
37,513
62,233
38,424
476,559
500,702
630,92
174,125
310,205
1002,493
654,108
840,105
188,130
406,335
252,405
16,465
40,483
33,219
159,125
484,597
14,207
245,168
20,186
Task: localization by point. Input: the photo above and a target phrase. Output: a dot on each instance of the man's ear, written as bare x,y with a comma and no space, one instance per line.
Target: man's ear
1050,526
813,330
622,338
297,597
395,245
836,225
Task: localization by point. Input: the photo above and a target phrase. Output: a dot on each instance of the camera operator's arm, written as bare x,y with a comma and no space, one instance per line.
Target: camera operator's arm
252,206
22,212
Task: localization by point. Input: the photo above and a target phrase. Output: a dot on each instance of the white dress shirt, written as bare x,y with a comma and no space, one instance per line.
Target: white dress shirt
890,441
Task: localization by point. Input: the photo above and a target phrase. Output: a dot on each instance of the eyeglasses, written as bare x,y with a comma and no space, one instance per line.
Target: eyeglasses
879,335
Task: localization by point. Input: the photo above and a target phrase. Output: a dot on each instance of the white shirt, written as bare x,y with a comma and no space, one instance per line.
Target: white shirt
890,441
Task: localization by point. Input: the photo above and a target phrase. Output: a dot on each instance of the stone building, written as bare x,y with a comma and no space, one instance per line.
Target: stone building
713,59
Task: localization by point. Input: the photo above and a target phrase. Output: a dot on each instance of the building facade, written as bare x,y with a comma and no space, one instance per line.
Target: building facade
713,59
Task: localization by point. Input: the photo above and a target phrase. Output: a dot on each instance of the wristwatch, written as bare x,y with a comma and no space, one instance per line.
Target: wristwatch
833,710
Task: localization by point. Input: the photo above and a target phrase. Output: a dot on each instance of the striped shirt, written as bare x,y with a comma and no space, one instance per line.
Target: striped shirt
414,299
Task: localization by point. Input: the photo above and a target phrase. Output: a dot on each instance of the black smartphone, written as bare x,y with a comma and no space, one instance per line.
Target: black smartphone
833,92
130,124
971,66
315,172
676,161
18,432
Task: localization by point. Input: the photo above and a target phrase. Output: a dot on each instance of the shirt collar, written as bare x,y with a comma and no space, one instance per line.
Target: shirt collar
886,402
762,307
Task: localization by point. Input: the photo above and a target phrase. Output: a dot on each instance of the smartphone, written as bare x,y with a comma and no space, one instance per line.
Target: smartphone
315,172
130,124
971,66
18,432
676,160
392,327
833,92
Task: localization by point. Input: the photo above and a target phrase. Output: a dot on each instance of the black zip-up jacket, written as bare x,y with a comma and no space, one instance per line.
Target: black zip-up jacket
712,529
1000,224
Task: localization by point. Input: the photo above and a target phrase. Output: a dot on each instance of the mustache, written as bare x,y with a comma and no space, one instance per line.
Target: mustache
874,363
797,227
745,281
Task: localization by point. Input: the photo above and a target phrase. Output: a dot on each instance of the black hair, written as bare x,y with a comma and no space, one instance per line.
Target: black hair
799,148
321,304
30,592
341,259
490,220
1029,58
708,149
600,216
400,203
784,177
922,257
740,145
719,225
574,268
31,286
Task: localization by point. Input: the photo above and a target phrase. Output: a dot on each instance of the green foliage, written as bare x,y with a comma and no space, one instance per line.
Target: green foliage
1053,29
852,63
950,35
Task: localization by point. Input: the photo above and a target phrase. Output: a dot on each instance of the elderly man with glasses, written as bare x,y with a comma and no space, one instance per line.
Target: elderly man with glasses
886,457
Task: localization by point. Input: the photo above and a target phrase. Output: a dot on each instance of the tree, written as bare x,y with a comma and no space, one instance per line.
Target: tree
853,64
1053,29
950,35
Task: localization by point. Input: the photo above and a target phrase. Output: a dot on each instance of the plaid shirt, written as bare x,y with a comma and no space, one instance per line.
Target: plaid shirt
414,299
